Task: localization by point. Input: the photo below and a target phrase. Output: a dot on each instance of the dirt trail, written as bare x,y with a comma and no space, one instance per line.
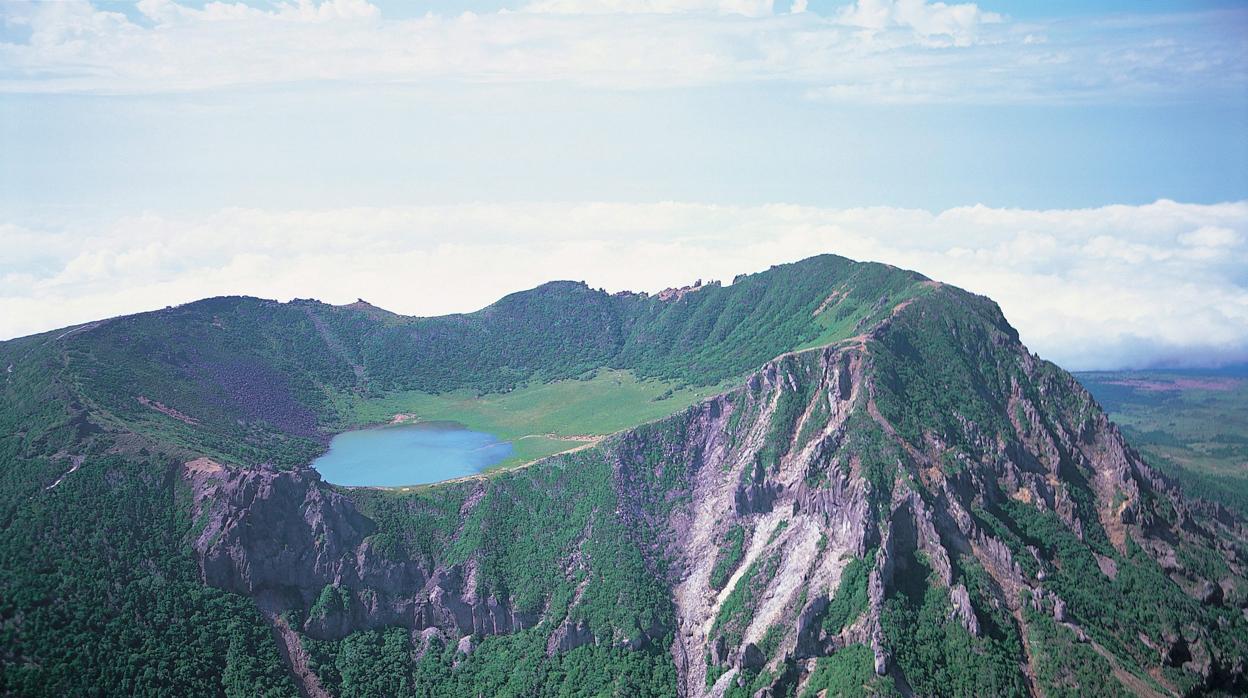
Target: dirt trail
76,463
296,658
166,410
832,300
203,466
75,330
1029,657
1133,683
334,343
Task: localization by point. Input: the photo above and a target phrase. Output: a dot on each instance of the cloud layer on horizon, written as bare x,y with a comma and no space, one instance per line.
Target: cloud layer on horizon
868,51
1117,286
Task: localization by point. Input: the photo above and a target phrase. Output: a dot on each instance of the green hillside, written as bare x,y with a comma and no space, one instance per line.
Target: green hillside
96,418
916,504
249,380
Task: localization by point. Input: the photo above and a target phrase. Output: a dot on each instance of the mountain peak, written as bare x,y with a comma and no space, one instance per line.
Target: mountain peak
826,477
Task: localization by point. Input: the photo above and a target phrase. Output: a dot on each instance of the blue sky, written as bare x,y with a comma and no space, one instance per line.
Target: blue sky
161,115
301,147
1128,109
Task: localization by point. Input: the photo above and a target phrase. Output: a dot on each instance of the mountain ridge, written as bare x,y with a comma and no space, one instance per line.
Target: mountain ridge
920,506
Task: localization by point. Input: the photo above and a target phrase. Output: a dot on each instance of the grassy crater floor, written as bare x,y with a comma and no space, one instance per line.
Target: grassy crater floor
540,419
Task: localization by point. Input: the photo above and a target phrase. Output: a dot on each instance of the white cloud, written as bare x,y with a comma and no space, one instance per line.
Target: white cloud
960,22
1103,287
748,8
1210,236
872,51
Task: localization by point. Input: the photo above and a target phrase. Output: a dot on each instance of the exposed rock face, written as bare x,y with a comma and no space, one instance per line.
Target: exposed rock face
791,503
962,609
752,657
269,530
569,636
285,535
818,470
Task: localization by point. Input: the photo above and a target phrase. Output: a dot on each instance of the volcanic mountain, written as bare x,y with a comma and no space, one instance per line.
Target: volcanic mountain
836,478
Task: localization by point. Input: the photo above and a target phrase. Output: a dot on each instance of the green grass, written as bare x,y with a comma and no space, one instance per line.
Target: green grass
728,557
530,448
841,321
540,419
544,418
850,599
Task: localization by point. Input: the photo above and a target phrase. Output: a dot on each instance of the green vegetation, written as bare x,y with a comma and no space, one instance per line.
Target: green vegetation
946,366
722,331
817,420
850,599
750,682
605,403
1065,666
776,531
563,330
738,607
246,380
790,404
1192,425
848,673
378,664
937,655
1140,599
333,600
412,523
523,529
530,520
770,641
728,556
878,455
100,593
651,357
714,671
528,449
540,419
945,372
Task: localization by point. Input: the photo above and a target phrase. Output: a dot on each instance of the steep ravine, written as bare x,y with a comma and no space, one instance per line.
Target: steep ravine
792,518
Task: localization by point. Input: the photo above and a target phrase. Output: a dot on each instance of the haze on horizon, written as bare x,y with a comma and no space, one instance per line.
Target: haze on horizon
1081,163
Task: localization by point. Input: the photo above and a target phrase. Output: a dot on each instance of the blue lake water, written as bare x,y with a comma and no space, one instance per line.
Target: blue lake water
409,454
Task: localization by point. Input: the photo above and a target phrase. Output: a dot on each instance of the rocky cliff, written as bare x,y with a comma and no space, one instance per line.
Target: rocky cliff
927,490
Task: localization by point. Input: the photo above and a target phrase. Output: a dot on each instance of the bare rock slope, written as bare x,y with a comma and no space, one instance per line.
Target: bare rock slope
928,496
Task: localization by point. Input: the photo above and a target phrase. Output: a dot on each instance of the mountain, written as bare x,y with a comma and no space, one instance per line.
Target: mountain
849,480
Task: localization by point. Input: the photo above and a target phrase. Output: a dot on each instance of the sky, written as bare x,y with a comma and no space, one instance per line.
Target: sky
1083,163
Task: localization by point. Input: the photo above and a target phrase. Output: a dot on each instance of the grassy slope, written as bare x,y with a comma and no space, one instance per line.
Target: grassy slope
257,380
839,321
530,518
263,381
1192,424
670,353
612,400
539,418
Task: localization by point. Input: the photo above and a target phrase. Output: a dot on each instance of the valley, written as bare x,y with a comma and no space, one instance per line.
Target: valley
539,419
1193,424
